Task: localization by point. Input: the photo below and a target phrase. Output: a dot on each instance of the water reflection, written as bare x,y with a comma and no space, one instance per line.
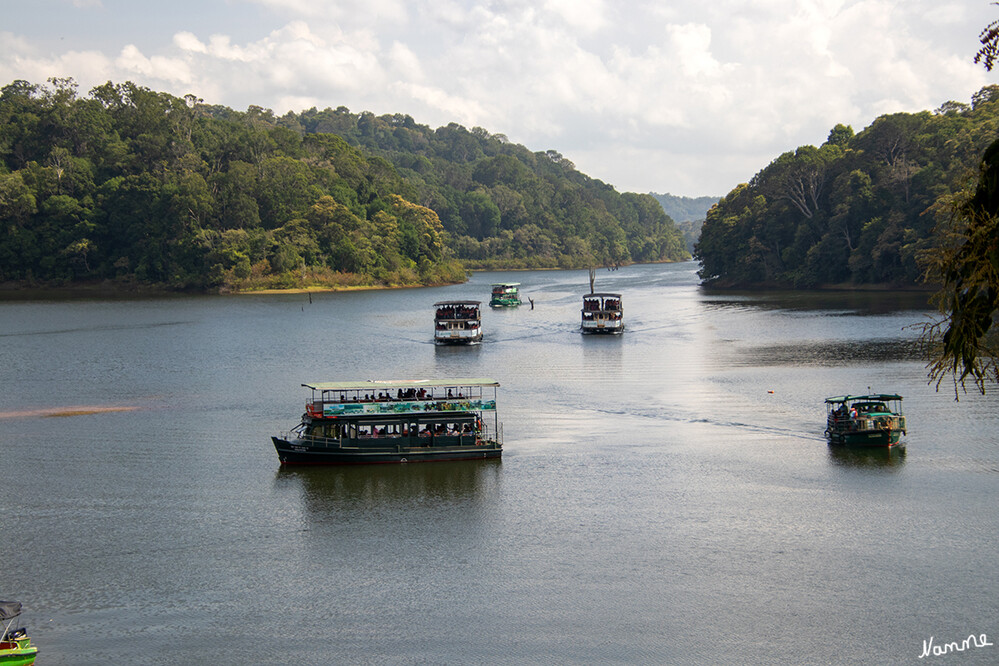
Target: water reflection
872,303
448,351
366,486
867,458
832,352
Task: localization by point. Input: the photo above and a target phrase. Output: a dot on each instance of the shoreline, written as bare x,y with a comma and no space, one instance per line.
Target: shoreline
10,292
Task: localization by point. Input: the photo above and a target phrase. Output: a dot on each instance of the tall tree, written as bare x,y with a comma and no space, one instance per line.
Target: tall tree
967,264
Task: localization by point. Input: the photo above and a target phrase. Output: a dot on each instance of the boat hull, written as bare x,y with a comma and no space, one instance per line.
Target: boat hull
446,339
20,654
877,438
602,330
301,452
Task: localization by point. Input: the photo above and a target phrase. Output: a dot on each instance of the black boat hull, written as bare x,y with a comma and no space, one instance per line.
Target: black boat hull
298,452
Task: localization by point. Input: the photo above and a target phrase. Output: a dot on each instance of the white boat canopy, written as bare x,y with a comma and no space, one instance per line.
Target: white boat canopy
399,383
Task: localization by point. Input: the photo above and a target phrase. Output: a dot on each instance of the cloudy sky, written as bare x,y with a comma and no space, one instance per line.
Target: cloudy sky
690,97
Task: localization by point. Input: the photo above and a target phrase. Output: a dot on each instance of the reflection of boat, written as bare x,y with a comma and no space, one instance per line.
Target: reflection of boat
395,421
505,295
15,648
457,323
874,420
602,313
867,457
352,487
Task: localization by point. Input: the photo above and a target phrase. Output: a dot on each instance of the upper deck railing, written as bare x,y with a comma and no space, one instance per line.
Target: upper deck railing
401,397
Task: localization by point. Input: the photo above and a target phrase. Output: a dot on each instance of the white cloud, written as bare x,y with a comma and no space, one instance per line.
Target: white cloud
585,15
339,10
461,110
648,96
173,70
405,63
186,41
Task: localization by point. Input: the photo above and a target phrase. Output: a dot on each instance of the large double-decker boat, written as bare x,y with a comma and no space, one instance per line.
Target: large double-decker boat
395,421
505,295
602,313
457,323
874,420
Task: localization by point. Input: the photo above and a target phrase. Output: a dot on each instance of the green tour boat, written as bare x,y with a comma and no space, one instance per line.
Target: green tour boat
505,295
874,420
395,421
15,648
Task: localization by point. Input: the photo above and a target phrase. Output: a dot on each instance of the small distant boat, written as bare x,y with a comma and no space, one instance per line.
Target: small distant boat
505,295
15,648
349,423
874,420
457,323
602,313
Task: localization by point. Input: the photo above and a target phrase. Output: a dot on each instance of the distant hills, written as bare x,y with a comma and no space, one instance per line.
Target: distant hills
687,212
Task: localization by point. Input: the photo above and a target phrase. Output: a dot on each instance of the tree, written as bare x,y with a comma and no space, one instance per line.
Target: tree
967,265
989,39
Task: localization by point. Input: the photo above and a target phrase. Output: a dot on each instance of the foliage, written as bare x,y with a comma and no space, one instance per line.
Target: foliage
856,210
502,205
989,38
967,264
965,261
138,186
142,187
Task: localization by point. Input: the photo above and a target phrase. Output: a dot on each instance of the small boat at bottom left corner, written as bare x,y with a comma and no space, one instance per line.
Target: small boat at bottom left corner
15,647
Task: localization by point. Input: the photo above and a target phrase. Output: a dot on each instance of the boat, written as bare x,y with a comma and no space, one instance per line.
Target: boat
505,295
873,420
457,323
602,313
15,647
395,421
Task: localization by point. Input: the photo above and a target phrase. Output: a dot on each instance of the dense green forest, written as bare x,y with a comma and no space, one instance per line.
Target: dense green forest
859,209
140,187
502,205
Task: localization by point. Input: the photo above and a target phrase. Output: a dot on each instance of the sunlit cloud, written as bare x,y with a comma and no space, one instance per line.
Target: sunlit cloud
635,95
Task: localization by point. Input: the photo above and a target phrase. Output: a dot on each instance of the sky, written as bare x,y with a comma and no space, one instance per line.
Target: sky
685,97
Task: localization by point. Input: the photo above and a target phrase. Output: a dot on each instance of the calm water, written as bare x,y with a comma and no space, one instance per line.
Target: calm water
664,497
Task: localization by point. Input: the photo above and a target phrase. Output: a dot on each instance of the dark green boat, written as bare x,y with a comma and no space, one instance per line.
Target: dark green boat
874,420
348,423
505,295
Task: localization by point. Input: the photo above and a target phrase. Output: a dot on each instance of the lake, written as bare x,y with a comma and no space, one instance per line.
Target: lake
664,496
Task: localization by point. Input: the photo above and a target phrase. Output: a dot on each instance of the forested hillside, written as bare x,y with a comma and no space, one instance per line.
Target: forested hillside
503,205
137,186
858,209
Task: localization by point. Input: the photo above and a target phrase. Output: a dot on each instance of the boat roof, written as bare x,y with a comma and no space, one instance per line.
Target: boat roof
506,284
9,609
398,383
602,295
871,397
439,303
